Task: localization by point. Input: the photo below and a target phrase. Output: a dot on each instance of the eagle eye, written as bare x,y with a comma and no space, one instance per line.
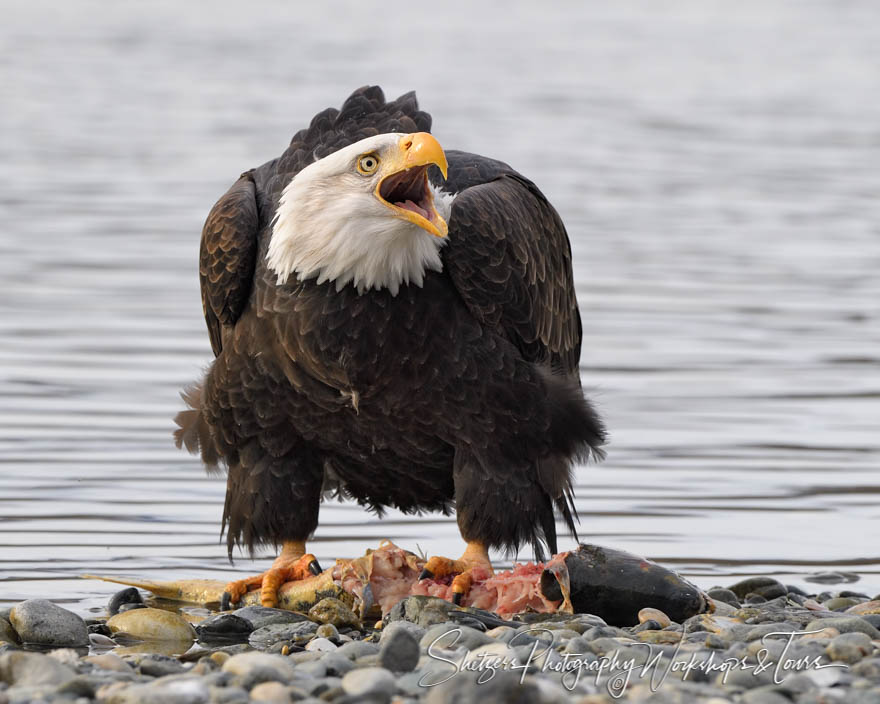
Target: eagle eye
368,164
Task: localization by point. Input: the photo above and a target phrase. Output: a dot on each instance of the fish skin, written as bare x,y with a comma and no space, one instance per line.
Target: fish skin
300,595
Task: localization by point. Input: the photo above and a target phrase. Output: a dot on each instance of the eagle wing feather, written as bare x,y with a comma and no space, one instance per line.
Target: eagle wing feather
509,257
227,257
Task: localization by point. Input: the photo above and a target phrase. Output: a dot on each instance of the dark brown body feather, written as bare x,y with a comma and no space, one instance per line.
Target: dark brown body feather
463,391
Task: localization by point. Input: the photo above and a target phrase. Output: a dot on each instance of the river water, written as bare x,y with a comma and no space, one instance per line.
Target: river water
718,168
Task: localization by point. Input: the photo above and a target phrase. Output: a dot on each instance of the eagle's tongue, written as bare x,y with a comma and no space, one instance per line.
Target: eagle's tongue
409,205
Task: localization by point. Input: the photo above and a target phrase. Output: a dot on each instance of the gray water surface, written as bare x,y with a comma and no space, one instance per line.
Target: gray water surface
718,168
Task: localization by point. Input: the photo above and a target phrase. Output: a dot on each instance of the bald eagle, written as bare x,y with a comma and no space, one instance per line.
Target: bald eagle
394,324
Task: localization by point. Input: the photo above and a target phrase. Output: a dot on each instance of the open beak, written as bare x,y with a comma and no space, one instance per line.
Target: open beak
404,187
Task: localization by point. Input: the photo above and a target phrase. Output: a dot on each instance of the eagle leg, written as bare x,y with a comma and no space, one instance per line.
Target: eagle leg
474,559
292,564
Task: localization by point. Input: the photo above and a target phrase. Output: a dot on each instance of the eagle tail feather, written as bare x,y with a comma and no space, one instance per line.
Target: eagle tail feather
192,430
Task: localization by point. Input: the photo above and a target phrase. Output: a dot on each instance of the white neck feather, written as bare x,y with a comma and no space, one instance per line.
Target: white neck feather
329,228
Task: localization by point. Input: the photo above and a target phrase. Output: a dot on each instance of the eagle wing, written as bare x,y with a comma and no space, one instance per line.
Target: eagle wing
227,257
509,257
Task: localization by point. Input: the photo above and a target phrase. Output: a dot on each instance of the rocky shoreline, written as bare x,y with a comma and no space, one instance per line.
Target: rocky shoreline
765,643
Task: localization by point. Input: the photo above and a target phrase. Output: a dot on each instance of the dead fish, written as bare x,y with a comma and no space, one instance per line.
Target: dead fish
616,585
608,583
292,596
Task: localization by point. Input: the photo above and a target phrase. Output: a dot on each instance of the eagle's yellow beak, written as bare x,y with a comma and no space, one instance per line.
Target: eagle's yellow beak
404,185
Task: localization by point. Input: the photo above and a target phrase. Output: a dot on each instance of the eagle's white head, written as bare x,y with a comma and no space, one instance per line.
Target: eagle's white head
364,215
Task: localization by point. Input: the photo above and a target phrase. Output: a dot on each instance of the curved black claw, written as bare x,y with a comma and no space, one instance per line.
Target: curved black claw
315,568
225,602
456,598
426,574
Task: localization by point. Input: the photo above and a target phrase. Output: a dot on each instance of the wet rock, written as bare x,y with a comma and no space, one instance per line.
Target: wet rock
41,622
654,615
766,587
259,616
267,636
152,625
832,578
253,668
845,624
849,647
369,682
399,652
224,627
122,598
425,611
649,625
24,669
335,612
725,595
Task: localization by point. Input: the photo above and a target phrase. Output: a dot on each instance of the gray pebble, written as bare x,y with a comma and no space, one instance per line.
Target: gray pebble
725,595
224,628
41,622
452,635
765,587
764,695
357,649
504,688
228,695
337,665
832,578
423,610
159,666
323,687
369,682
253,668
840,603
328,631
21,668
413,629
399,651
174,690
267,636
845,624
320,645
316,668
849,647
